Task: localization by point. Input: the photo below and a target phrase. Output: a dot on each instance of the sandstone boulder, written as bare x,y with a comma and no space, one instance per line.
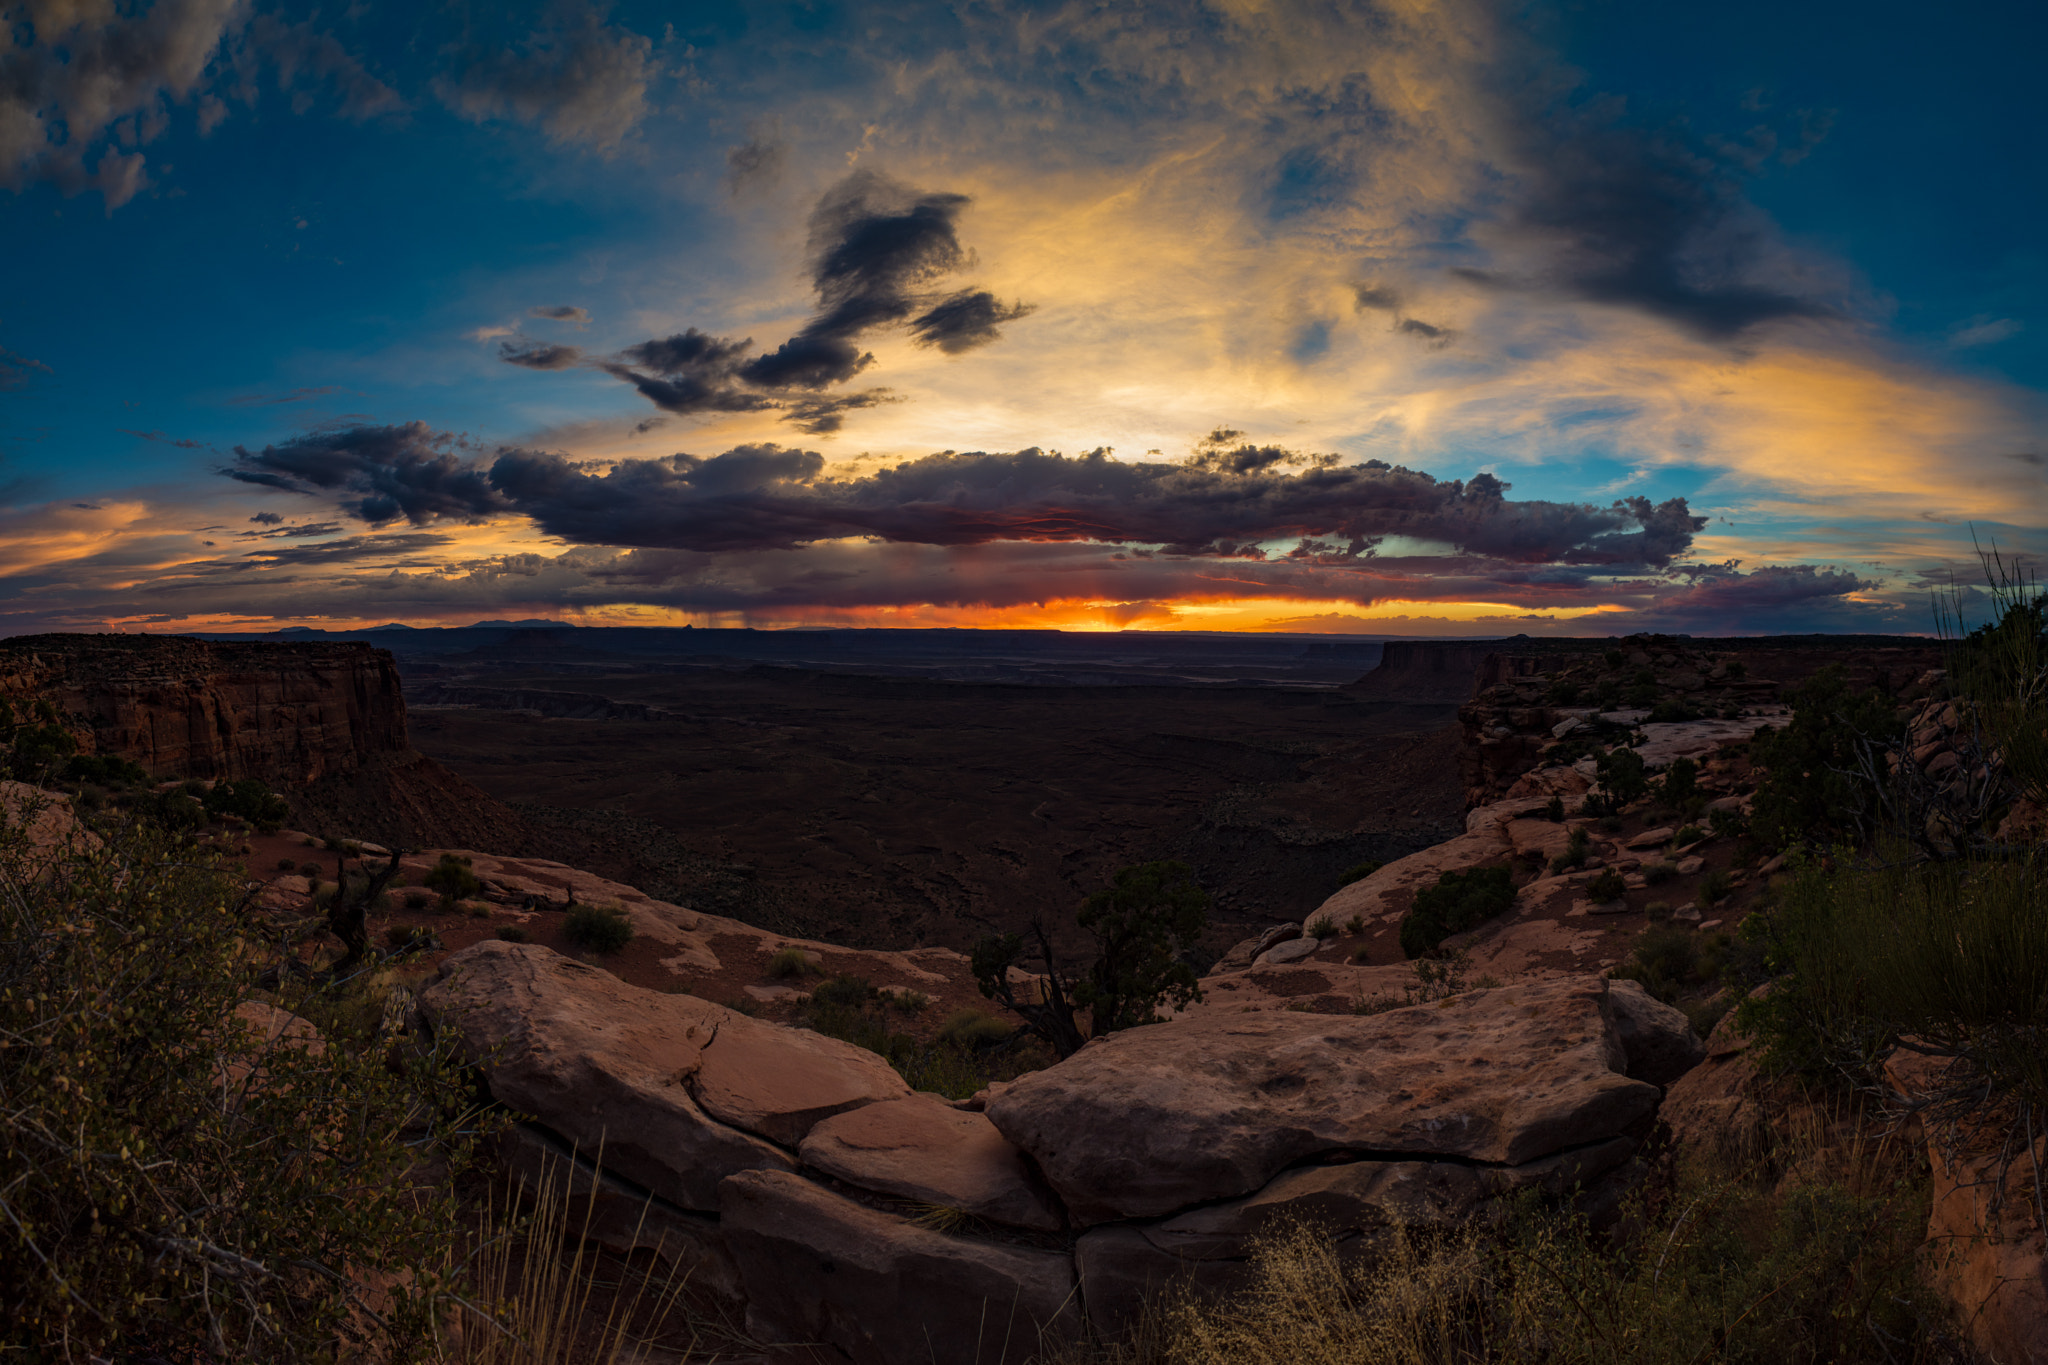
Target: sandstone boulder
1372,898
926,1150
1658,1039
1153,1120
1293,950
880,1290
677,1092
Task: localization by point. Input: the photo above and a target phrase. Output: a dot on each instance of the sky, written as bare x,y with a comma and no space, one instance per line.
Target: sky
1401,318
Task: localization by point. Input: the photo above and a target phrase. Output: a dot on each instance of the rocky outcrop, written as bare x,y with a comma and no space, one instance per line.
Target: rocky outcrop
287,714
1426,671
676,1092
874,1288
322,721
1151,1120
854,1221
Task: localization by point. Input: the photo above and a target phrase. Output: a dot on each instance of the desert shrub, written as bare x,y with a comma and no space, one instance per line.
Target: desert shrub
309,867
1733,1269
1459,901
851,991
974,1028
39,748
1680,783
1642,694
1613,658
1144,923
1687,835
1714,888
1606,694
1659,872
1725,824
910,1001
1355,925
1322,927
512,933
1563,692
1953,957
1576,849
600,928
1359,871
1362,953
417,900
107,769
163,1200
1622,780
452,879
1673,709
1608,886
788,963
250,800
410,938
287,865
1657,912
1553,810
1670,959
176,812
1813,787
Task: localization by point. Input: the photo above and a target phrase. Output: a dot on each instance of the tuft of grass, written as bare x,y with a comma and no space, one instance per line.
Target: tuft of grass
1610,885
974,1028
1657,873
1687,836
1362,953
792,963
1322,927
600,928
512,933
910,1001
1358,872
1714,888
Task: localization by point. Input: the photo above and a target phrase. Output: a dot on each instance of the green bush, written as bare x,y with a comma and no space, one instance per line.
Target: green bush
1657,873
512,933
854,992
1359,871
792,962
1680,783
164,1201
1811,787
600,928
972,1028
1622,779
250,800
1459,901
1715,888
1608,886
1563,692
452,879
1954,957
1670,959
1576,849
1553,810
1322,927
1687,835
1672,709
109,770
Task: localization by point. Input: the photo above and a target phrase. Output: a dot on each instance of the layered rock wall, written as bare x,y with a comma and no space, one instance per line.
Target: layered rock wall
287,714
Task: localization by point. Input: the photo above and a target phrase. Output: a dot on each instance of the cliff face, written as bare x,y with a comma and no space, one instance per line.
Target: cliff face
1427,671
288,714
322,721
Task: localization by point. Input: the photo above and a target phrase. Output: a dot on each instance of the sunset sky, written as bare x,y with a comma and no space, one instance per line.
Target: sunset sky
1406,318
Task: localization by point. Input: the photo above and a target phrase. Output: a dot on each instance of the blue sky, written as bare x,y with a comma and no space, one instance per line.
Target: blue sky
1743,303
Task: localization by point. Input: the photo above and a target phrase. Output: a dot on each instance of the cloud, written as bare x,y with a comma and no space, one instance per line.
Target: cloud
267,518
755,163
182,443
822,416
1721,595
352,550
1227,501
1624,217
381,473
876,245
16,370
1983,331
586,84
561,312
963,321
300,50
75,77
266,400
539,355
275,532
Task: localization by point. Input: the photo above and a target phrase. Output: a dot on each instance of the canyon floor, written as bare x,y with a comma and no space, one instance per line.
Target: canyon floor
890,813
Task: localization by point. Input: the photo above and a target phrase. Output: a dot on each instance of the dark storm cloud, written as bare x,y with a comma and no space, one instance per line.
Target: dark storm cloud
1723,592
876,248
353,550
266,518
963,321
1376,296
539,355
1428,333
375,473
1621,216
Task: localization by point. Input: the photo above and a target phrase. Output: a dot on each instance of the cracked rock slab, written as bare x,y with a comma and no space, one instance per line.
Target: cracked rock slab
1156,1119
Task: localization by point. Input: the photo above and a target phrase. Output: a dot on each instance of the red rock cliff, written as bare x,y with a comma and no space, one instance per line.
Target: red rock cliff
323,721
289,714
